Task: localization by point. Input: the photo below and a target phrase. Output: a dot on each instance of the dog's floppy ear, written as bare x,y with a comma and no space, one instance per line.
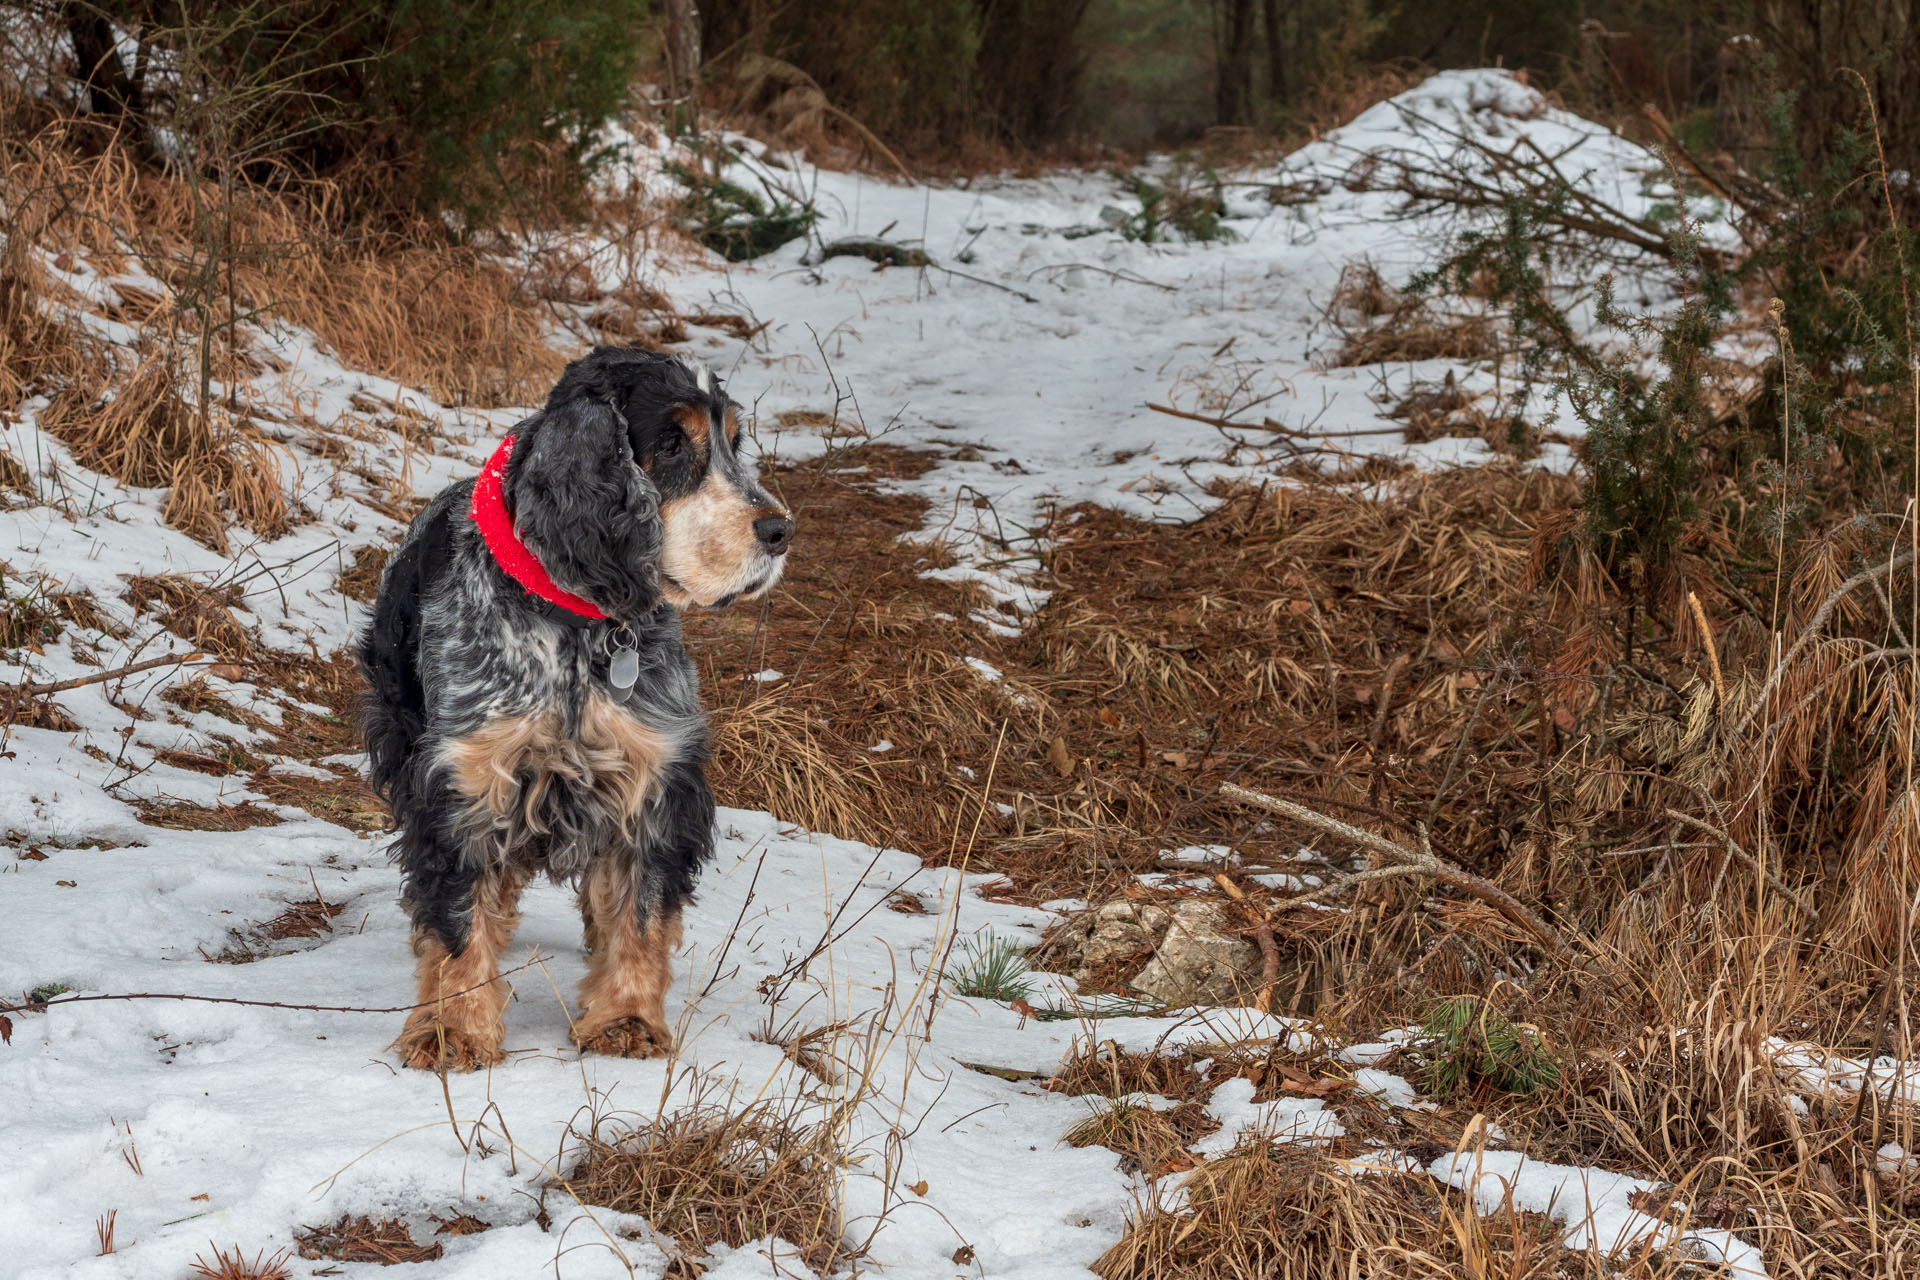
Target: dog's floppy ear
583,507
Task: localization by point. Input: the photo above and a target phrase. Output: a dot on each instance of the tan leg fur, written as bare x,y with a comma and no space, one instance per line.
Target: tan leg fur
623,997
462,1022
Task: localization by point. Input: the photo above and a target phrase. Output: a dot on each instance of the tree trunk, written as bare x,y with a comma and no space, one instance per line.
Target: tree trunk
1235,87
110,91
1276,53
683,49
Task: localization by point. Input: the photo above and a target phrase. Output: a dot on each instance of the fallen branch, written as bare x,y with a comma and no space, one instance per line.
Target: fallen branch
101,677
886,253
41,1006
1421,861
1263,937
1268,424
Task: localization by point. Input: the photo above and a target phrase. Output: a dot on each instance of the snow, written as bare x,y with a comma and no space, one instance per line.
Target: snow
285,1117
201,1122
1818,1070
1594,1206
1032,387
1284,1120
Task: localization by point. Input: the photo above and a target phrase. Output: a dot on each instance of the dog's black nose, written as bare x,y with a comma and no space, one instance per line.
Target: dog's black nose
774,532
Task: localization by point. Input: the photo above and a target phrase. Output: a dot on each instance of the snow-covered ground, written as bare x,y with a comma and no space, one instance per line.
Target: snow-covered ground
203,1124
1045,360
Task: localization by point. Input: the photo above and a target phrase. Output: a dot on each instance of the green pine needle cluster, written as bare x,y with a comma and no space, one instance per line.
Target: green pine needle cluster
1466,1041
991,968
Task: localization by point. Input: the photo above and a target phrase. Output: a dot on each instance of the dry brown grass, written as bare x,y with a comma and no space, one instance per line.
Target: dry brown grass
708,1175
361,579
233,1264
198,612
1378,324
1147,1141
866,654
184,815
1401,649
426,314
386,1243
308,918
1290,1214
135,426
28,616
222,261
343,798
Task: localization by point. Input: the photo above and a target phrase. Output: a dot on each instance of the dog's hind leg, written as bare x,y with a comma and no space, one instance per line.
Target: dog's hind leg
623,997
461,1021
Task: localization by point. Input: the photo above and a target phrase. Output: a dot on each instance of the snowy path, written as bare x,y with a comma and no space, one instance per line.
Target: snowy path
202,1123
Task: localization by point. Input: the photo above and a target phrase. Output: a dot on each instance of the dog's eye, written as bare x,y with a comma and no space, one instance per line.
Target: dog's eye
670,445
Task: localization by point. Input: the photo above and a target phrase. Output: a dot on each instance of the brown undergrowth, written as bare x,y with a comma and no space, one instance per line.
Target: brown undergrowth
1409,648
387,1242
136,302
710,1175
1721,827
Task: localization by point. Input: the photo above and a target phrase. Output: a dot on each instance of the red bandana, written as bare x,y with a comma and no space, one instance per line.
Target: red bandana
511,554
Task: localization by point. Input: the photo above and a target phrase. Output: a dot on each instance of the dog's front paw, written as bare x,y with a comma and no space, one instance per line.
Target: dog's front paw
431,1045
624,1038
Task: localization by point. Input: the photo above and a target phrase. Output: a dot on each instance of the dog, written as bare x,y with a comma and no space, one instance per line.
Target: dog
531,705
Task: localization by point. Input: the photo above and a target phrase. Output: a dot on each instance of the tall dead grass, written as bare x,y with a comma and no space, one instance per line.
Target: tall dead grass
136,427
707,1175
229,256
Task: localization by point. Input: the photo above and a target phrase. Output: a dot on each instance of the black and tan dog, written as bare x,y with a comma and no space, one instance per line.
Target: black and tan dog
532,706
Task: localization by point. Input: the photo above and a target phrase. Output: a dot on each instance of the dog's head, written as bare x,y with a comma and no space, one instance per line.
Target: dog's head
630,487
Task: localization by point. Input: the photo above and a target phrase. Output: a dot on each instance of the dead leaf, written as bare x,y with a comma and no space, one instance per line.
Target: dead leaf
1178,759
1312,1086
1022,1008
6,1029
33,855
1057,757
963,1255
1300,608
201,1196
918,1188
227,671
1466,680
1109,719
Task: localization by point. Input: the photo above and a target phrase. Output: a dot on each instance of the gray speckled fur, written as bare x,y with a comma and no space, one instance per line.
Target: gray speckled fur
482,659
456,644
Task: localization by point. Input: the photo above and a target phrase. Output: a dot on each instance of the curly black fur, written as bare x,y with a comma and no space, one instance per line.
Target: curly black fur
455,645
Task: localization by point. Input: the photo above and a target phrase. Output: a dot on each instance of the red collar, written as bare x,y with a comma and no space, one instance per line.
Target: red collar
511,554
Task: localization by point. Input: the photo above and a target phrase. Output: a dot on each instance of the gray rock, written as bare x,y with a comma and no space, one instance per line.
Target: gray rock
1191,954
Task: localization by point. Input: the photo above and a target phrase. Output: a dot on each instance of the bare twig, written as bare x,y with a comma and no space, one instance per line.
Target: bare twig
1268,424
1733,849
1421,861
40,1006
101,677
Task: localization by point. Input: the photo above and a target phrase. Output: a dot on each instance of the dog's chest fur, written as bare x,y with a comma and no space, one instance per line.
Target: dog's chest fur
552,763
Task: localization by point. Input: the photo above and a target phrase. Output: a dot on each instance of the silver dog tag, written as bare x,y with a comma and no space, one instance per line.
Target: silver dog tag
624,669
